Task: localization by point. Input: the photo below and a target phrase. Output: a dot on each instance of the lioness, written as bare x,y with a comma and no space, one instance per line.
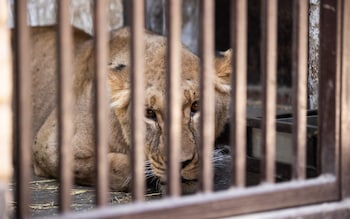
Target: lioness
45,124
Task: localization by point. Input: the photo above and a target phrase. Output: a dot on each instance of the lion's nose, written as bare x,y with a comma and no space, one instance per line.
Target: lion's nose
185,163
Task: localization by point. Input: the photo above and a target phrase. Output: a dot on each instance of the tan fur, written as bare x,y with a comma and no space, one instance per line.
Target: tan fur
45,126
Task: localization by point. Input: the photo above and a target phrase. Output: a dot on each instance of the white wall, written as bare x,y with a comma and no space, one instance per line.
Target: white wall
43,12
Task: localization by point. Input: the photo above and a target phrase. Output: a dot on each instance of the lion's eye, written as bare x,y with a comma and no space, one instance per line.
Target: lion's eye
150,114
194,107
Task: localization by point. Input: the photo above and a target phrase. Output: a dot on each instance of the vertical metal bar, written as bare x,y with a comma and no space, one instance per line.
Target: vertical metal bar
6,92
269,56
65,103
329,86
6,114
345,102
23,109
207,108
239,87
101,102
137,97
174,116
299,71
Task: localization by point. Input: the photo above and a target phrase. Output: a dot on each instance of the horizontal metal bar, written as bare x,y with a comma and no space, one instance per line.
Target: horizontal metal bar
334,210
226,203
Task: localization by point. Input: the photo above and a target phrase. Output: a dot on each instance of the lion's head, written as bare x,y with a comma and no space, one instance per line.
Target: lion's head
155,98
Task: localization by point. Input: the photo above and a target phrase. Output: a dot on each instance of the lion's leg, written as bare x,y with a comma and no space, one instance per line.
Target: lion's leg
119,171
45,157
45,154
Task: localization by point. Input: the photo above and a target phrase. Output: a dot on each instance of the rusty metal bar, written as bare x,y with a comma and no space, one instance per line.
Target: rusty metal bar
329,89
226,204
101,101
173,122
137,98
23,109
6,107
239,90
269,68
299,72
65,103
345,102
207,106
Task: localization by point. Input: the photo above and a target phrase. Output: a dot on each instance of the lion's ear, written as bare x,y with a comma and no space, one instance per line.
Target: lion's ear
119,86
223,71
